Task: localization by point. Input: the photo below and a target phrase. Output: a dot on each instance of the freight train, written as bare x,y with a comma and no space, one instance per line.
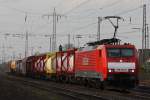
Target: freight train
101,64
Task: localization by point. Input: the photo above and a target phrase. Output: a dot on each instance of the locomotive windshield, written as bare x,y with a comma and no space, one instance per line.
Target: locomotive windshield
120,52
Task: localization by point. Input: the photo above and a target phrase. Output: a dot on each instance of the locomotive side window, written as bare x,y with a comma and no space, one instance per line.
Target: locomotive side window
126,52
113,52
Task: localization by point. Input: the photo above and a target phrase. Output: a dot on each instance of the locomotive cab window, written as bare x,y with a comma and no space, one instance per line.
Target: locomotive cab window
120,52
127,52
113,52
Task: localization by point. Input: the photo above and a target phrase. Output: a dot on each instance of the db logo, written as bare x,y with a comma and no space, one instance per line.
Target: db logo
85,61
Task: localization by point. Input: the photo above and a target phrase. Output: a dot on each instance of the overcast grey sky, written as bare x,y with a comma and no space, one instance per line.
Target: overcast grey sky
81,19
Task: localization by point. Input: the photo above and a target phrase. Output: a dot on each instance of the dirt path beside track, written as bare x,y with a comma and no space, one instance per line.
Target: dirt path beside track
12,90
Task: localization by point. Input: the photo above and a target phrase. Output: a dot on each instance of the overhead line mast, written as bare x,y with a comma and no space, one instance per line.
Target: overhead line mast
26,37
56,17
145,36
98,32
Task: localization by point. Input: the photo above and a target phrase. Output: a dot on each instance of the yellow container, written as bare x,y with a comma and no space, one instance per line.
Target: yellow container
49,68
13,65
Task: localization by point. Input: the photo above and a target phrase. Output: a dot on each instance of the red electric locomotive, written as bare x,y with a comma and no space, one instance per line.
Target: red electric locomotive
108,61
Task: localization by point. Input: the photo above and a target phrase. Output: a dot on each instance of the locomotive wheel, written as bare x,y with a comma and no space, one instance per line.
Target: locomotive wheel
85,82
66,80
97,85
102,86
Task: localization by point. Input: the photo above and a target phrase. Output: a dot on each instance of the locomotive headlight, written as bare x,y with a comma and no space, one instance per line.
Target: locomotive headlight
110,70
132,70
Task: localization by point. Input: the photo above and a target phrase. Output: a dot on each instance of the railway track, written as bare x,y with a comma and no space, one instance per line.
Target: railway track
142,91
61,91
80,92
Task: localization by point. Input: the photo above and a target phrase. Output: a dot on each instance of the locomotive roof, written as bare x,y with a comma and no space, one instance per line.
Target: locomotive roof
113,42
105,41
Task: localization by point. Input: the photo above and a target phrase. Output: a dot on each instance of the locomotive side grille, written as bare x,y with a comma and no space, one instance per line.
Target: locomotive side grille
89,74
